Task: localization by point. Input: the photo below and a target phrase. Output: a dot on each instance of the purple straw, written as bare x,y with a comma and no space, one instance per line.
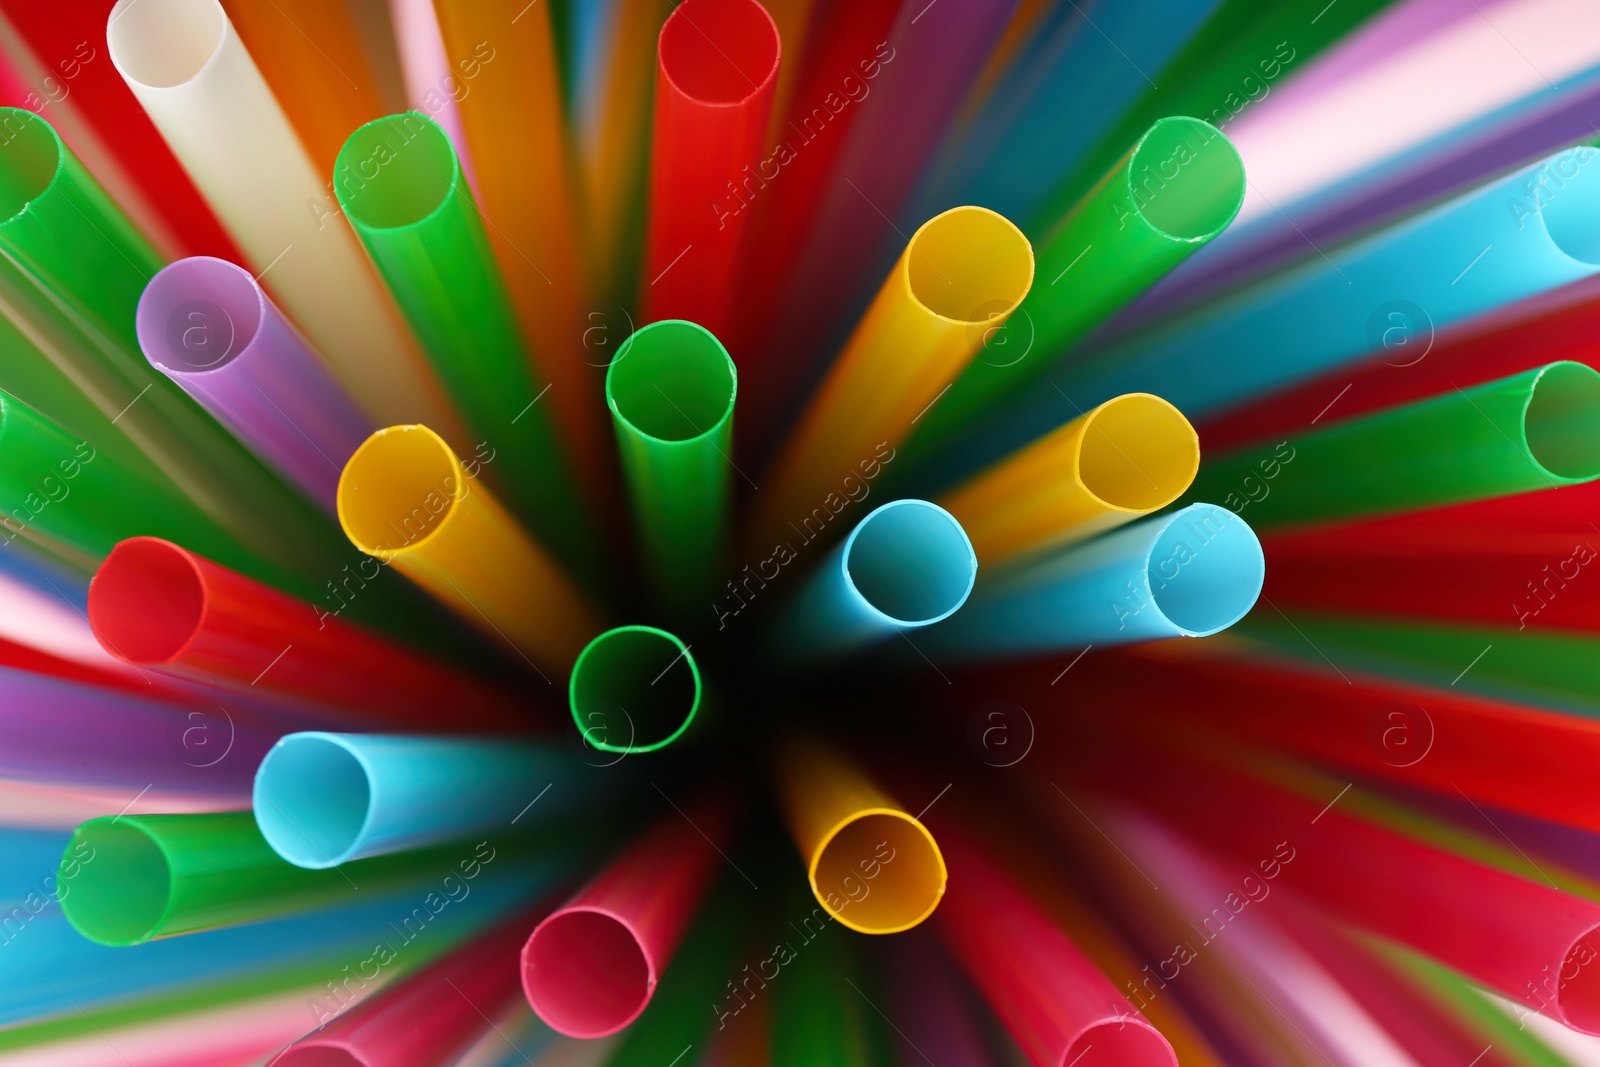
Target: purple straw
207,325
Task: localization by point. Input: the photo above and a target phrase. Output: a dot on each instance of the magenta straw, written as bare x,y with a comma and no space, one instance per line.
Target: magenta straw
206,324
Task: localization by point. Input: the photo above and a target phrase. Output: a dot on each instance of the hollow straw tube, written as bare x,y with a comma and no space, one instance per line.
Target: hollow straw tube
872,866
1190,573
311,56
906,565
716,71
634,689
157,605
431,82
400,185
323,799
1057,1005
405,499
933,1006
1130,456
816,1017
1533,430
427,1018
509,79
163,875
208,325
961,274
191,73
671,390
1177,188
1481,251
592,965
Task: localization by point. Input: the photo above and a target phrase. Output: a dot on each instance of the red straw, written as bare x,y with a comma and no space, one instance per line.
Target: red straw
1056,1004
591,966
716,70
429,1017
155,604
70,43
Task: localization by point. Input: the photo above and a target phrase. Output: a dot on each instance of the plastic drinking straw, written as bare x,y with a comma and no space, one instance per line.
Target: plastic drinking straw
1173,191
1050,996
1190,573
310,54
872,866
716,71
399,183
591,966
507,68
1383,882
155,604
961,274
616,708
671,391
1537,429
191,73
1057,98
906,565
428,1018
209,326
432,85
323,799
108,129
405,499
1551,669
1130,456
934,1007
157,876
676,1018
816,1017
1331,312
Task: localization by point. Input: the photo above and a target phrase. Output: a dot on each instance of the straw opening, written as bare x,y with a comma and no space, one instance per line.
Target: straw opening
312,798
634,689
719,52
673,381
1127,1042
1572,218
30,158
398,490
198,314
146,601
1561,423
1186,179
1205,569
163,43
969,265
585,973
1577,991
120,891
1138,453
395,171
879,873
910,561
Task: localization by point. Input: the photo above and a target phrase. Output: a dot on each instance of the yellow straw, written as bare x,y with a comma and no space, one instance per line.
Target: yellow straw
1130,456
962,273
512,114
405,498
872,866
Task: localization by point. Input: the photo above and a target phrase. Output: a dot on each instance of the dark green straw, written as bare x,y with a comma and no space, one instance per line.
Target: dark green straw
671,391
634,689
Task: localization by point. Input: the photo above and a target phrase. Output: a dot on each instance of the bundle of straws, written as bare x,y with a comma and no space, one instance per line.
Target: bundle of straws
408,660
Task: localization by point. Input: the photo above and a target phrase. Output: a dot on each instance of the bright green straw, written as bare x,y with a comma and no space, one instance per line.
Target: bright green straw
85,266
634,689
671,390
400,184
1179,186
818,1019
1533,430
1238,57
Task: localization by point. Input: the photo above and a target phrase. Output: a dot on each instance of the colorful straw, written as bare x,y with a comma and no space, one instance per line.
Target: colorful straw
634,689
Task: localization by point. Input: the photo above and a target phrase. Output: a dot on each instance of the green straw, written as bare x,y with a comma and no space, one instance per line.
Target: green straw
82,266
671,390
820,1015
400,184
1179,186
1533,430
634,689
1244,51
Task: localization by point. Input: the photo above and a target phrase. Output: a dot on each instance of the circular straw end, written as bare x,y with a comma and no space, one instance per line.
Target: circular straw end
879,872
312,798
585,973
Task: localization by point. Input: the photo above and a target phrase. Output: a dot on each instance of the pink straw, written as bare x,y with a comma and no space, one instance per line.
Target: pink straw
591,966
